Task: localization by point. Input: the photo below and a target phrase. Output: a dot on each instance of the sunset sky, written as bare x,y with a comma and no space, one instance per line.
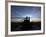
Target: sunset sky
22,11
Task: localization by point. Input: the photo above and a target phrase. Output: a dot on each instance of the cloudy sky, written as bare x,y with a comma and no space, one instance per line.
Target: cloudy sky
23,11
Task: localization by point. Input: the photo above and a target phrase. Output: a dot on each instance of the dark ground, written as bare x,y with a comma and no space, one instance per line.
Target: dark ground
25,26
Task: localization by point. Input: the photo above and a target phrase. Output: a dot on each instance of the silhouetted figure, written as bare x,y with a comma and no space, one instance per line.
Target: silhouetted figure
26,24
27,19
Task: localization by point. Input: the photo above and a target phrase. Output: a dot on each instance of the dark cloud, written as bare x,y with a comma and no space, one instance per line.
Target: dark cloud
22,11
